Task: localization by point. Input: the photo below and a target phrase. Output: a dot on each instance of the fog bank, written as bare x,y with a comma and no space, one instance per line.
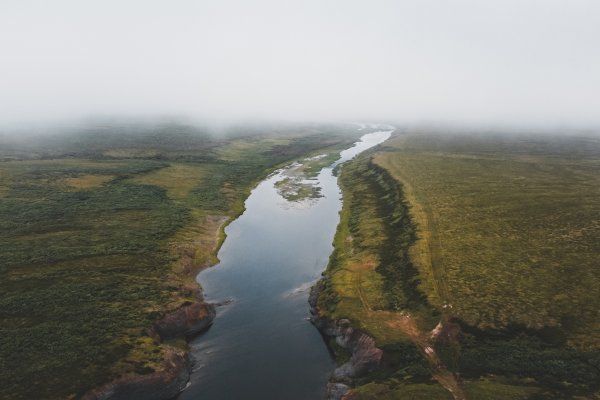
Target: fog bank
496,62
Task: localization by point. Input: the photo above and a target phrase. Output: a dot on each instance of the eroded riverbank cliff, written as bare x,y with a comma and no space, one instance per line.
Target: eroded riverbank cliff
172,377
365,356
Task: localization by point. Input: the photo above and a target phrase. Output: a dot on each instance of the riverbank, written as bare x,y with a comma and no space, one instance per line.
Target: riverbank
368,303
402,268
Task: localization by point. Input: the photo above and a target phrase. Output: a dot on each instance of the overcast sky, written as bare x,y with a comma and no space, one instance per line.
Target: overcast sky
529,62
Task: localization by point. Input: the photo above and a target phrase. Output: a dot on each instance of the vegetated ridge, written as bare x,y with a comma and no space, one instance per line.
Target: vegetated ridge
464,257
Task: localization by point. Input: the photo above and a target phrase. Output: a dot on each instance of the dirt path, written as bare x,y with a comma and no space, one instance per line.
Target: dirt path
404,322
425,343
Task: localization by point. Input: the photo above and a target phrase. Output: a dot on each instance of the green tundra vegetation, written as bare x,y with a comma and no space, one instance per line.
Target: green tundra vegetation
497,236
102,230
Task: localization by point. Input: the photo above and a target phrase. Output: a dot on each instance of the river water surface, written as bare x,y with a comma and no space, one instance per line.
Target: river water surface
261,345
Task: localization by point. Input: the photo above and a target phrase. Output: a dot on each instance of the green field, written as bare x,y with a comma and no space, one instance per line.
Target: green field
514,227
500,243
102,231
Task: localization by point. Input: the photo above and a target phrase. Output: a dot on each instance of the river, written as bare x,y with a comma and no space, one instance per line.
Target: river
261,345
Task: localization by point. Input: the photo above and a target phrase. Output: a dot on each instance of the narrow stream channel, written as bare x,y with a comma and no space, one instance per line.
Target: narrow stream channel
261,345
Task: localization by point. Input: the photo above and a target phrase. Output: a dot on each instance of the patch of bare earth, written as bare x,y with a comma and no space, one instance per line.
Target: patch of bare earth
404,322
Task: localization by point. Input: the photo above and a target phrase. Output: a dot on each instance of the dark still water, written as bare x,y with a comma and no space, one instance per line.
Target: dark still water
261,346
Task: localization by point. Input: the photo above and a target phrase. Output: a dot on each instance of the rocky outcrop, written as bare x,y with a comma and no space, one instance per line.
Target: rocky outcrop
366,357
186,321
159,385
336,391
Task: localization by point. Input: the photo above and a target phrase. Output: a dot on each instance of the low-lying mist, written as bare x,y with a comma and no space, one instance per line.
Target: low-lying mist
463,63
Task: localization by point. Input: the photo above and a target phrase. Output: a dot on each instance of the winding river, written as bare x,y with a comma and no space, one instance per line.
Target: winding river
261,345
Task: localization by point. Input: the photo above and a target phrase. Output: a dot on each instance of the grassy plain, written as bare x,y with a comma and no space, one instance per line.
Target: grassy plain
502,240
513,226
102,231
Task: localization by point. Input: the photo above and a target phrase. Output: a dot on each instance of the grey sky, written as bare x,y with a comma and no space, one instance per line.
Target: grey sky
465,61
